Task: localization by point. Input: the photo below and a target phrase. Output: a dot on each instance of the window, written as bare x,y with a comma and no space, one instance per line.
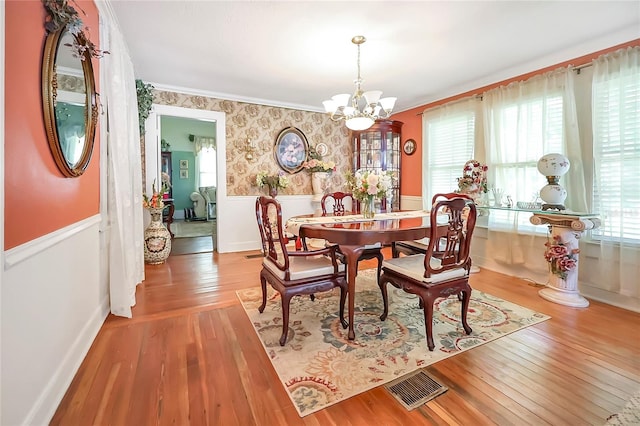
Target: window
616,148
528,129
207,163
524,121
450,134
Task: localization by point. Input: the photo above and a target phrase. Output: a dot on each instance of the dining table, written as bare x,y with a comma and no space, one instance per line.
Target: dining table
352,232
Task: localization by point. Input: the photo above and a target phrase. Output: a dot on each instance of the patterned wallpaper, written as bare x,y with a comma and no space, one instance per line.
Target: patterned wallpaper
262,124
70,83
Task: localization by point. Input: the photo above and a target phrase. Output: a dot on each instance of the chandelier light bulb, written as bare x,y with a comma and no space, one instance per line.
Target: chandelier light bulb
362,109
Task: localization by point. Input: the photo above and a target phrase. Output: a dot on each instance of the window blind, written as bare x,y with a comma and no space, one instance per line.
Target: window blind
616,150
450,141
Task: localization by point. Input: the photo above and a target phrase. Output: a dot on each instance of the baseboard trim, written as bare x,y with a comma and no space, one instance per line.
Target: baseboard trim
51,396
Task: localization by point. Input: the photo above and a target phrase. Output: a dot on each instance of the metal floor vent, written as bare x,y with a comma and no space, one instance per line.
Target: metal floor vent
415,389
253,256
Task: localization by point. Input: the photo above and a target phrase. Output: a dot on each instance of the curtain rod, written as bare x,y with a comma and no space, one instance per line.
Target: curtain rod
466,98
577,69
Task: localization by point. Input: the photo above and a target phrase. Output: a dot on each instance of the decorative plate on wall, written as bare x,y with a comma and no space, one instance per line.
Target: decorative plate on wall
322,149
409,146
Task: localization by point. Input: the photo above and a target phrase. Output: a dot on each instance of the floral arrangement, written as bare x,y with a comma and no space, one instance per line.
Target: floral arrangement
155,201
474,178
316,164
62,15
364,184
560,258
278,181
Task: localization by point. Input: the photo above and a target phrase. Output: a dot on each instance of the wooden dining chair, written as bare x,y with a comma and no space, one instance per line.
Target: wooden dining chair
430,277
293,273
334,202
420,246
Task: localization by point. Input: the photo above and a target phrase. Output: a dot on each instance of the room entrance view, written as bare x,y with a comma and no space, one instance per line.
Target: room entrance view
188,152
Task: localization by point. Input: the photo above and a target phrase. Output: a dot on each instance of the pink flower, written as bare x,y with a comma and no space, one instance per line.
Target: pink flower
566,263
560,258
556,251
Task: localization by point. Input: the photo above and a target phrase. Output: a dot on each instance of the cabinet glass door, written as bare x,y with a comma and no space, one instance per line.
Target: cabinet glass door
378,148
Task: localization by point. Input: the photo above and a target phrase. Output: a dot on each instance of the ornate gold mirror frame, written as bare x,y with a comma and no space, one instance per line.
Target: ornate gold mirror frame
75,164
68,87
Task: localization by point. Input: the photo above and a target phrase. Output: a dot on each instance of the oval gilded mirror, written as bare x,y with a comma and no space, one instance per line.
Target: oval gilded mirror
69,102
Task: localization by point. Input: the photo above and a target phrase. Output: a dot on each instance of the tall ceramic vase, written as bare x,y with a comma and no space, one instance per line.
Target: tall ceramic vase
157,239
319,184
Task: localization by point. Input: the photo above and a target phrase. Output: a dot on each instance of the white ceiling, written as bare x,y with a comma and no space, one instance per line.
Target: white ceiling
297,54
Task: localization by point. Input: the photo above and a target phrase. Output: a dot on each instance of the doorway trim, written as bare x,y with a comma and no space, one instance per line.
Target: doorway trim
153,154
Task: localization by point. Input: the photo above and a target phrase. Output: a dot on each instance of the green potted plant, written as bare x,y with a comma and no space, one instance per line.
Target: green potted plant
145,101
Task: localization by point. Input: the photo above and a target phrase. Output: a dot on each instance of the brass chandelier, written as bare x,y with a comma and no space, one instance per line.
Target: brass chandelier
365,107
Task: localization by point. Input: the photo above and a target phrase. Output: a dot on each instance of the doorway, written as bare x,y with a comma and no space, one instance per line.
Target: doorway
174,130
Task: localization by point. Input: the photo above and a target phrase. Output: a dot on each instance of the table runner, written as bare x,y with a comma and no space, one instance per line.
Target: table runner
293,224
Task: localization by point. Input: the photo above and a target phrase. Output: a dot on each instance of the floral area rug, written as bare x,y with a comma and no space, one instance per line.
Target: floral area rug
319,366
630,415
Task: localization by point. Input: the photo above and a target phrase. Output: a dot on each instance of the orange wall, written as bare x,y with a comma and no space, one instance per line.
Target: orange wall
411,173
411,170
38,198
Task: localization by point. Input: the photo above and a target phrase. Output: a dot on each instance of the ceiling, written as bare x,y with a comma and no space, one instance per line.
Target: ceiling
297,54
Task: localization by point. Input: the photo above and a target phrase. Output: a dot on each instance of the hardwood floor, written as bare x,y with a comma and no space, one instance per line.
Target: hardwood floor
191,245
190,356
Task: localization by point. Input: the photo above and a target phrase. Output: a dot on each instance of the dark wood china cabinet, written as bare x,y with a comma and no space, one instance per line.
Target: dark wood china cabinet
378,148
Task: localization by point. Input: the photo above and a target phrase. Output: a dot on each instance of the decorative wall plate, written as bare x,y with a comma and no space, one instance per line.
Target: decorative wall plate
322,149
409,146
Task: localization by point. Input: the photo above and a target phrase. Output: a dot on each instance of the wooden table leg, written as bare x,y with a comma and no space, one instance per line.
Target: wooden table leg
351,254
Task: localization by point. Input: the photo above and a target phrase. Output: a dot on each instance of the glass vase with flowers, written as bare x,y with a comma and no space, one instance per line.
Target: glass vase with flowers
272,182
368,186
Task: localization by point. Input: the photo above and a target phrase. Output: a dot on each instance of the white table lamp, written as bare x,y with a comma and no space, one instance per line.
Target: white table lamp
553,166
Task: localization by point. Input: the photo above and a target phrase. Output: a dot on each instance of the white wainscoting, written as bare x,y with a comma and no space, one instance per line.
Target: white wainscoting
240,214
411,202
52,308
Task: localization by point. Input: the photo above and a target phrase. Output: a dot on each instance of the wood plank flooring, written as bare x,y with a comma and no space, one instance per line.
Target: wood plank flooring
189,356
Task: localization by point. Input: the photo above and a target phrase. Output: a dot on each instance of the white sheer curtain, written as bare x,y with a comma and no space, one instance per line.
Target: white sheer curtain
449,132
616,141
205,150
124,171
522,122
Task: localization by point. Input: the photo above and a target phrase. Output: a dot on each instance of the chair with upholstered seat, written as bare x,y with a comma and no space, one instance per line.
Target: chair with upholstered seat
293,273
335,203
429,276
420,246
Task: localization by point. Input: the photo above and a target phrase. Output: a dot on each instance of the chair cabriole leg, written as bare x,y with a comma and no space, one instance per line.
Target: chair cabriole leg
285,318
428,320
380,258
263,284
343,298
382,283
466,298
